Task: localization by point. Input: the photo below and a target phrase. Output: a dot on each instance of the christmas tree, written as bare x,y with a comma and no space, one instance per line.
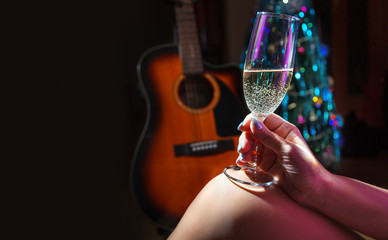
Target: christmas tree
309,103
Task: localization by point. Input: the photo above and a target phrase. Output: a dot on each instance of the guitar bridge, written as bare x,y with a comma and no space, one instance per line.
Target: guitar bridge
203,148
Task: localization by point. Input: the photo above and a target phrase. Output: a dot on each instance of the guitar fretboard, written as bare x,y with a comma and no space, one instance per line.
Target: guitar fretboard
189,47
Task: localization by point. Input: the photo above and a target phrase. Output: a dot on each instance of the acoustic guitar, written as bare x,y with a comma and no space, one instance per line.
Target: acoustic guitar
190,135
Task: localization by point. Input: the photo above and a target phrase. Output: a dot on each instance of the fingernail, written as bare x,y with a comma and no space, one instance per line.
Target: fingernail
239,126
241,156
239,161
256,123
239,148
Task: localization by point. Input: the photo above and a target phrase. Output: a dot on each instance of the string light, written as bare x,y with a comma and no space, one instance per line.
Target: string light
304,27
325,116
306,134
300,119
317,91
330,106
301,50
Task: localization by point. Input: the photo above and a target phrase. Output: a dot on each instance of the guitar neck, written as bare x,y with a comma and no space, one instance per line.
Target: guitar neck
189,47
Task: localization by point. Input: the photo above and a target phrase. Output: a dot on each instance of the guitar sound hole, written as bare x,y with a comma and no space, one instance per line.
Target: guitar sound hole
195,92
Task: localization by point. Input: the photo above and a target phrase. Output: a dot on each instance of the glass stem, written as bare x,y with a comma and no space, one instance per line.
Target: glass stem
258,149
257,155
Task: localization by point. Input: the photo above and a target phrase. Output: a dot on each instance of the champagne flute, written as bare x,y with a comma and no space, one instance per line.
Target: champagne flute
267,75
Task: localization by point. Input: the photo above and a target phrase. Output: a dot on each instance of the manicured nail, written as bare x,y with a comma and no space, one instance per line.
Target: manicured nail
241,156
239,148
239,160
257,124
240,125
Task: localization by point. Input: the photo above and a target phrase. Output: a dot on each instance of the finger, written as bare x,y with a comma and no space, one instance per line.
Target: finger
239,161
244,142
244,149
244,158
284,129
268,160
244,125
267,137
262,155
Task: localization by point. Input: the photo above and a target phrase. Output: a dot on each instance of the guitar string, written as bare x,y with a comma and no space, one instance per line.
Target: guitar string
184,13
196,55
194,80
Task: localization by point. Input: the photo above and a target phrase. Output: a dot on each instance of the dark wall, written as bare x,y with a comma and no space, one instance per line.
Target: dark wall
101,44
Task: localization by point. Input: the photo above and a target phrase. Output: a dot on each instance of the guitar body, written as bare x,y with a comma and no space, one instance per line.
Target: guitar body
184,144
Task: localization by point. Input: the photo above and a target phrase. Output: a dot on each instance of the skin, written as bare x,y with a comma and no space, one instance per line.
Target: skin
305,180
307,202
224,210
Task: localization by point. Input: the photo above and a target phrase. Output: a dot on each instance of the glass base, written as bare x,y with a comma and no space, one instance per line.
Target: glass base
250,177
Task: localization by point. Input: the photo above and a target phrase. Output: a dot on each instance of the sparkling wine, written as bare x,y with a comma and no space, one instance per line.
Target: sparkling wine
265,89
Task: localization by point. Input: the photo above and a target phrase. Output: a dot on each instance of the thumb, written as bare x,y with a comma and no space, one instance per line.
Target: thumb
267,137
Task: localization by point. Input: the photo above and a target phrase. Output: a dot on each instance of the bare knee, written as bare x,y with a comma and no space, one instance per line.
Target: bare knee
223,210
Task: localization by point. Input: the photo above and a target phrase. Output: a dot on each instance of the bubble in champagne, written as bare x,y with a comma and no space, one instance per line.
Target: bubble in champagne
265,89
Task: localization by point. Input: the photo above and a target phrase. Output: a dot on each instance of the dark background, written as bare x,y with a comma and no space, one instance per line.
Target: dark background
93,112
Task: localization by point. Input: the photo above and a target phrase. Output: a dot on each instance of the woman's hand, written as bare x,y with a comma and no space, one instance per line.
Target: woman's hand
286,156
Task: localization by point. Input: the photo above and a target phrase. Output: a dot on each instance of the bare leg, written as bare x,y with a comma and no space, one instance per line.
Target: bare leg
223,210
